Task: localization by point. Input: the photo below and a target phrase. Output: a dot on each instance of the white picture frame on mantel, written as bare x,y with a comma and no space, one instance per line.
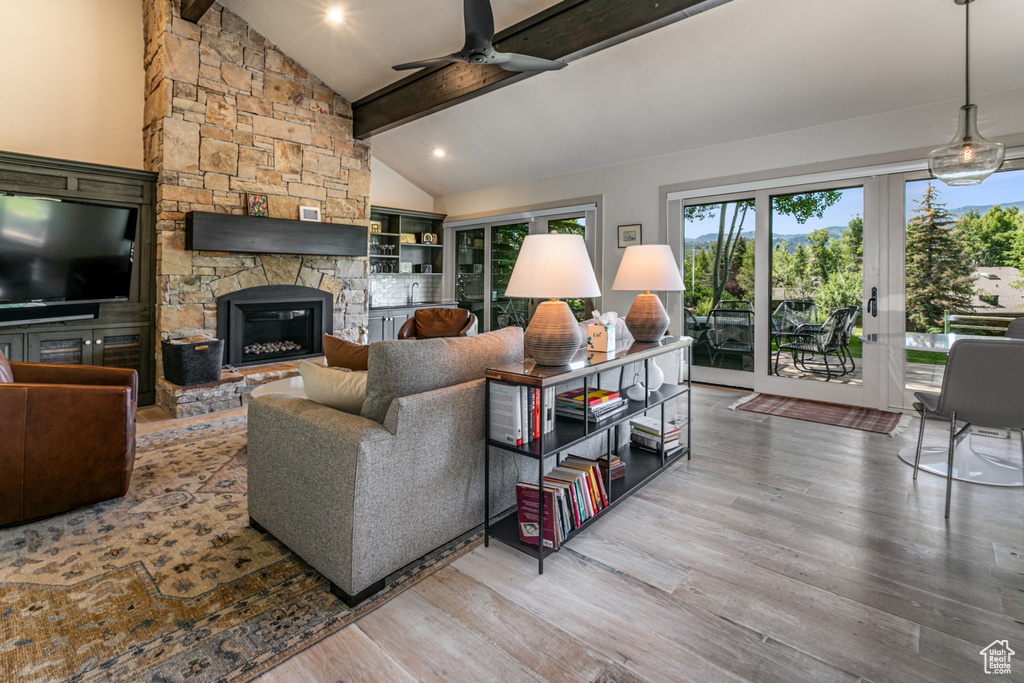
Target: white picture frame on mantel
309,213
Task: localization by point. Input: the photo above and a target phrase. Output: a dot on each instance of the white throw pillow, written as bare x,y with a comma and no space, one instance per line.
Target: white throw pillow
338,388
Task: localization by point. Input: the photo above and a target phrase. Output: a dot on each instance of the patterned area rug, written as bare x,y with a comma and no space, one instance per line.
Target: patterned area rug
168,583
865,419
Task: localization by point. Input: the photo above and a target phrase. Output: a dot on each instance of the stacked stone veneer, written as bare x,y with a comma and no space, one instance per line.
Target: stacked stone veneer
228,114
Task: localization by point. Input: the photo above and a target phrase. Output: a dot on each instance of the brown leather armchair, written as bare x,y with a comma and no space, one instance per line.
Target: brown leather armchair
68,437
428,323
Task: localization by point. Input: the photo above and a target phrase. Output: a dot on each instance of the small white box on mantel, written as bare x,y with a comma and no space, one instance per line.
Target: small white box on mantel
601,338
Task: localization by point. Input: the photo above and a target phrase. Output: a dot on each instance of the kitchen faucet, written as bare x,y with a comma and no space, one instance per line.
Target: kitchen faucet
412,292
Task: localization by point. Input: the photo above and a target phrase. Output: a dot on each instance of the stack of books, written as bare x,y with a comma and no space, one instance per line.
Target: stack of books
516,416
573,493
646,433
618,467
598,404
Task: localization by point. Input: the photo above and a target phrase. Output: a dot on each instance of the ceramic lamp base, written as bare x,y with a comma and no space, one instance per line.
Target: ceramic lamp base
647,319
553,336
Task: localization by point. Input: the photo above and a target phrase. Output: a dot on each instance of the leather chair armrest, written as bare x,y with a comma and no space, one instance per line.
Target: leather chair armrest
469,326
407,330
45,373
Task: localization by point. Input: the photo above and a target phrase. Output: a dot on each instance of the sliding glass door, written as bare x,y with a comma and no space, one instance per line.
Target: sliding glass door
485,254
778,282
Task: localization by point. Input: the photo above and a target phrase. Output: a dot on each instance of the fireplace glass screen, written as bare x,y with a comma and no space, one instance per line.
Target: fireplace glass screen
271,332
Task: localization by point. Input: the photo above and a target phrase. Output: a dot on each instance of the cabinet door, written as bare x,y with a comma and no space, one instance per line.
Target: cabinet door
122,347
66,347
398,319
13,347
375,329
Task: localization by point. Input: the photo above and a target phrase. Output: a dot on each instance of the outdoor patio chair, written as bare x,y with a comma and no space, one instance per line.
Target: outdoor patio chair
1015,330
698,331
844,347
984,385
731,332
789,315
812,345
735,305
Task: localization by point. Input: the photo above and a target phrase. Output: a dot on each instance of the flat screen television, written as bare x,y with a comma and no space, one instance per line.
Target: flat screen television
60,252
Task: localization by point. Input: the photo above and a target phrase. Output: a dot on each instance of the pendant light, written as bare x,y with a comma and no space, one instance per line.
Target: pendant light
969,158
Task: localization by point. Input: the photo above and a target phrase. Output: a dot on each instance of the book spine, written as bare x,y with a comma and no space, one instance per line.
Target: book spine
529,515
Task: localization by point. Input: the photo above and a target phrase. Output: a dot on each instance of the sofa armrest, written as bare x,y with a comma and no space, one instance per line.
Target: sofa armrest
303,459
47,373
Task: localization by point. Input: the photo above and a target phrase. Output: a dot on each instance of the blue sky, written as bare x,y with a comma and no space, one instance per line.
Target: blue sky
1000,188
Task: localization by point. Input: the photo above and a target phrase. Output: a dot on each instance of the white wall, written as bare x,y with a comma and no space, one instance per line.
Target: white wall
389,189
72,80
632,191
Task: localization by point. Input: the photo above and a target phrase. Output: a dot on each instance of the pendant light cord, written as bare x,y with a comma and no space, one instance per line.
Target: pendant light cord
967,52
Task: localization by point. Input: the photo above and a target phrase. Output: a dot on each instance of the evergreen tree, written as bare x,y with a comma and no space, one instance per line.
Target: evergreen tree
939,276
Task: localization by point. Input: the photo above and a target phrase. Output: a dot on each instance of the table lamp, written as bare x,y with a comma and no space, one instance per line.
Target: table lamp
553,266
648,267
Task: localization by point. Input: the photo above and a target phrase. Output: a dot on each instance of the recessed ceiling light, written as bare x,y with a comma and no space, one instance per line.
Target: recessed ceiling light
335,15
438,152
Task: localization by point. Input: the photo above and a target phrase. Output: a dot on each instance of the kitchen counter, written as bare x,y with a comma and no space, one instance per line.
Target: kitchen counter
418,304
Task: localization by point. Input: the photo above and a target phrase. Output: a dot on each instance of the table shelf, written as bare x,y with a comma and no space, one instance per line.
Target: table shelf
641,465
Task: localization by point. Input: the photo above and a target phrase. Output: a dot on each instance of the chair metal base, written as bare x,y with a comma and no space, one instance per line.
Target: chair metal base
976,459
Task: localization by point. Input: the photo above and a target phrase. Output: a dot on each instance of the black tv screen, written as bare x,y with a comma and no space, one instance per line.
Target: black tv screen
53,252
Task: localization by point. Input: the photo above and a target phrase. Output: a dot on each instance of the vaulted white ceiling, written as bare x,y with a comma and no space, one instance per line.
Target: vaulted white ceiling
746,69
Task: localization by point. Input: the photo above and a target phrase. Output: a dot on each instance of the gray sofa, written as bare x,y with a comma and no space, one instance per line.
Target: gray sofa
359,497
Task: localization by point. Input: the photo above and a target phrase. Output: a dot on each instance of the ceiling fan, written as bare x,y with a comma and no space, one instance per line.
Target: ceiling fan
479,48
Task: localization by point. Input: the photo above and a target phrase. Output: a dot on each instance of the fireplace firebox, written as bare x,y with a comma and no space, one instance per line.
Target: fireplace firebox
273,323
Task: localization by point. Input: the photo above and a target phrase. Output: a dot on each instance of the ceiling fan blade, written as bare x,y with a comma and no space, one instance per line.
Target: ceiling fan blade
510,61
479,25
447,59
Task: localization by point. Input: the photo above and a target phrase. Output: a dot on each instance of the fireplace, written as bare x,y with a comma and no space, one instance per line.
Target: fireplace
273,323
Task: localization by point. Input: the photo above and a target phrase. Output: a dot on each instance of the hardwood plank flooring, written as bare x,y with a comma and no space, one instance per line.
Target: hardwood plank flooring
783,551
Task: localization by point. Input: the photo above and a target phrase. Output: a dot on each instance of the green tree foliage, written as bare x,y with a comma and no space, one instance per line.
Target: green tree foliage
852,243
938,274
731,218
989,239
842,289
826,253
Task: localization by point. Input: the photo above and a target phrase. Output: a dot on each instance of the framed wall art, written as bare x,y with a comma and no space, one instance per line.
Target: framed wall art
309,213
629,235
256,205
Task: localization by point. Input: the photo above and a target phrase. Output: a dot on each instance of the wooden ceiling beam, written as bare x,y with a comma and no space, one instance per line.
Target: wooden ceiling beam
193,10
568,31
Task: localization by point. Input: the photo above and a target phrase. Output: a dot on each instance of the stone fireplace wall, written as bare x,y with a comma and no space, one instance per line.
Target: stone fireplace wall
228,114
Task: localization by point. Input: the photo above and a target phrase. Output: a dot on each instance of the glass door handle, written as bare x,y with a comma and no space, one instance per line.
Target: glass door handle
873,303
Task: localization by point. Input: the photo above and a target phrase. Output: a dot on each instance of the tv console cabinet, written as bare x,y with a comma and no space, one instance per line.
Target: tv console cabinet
641,465
121,333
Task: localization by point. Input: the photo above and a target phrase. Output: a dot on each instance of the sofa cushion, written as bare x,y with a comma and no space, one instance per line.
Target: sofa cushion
6,374
338,388
407,367
342,353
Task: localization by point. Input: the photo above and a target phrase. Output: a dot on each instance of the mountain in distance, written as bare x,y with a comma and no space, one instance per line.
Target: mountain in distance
981,209
708,241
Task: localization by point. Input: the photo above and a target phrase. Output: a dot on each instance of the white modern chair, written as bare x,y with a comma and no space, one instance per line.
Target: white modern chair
984,385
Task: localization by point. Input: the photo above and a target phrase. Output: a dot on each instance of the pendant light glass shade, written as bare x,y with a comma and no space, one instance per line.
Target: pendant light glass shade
968,158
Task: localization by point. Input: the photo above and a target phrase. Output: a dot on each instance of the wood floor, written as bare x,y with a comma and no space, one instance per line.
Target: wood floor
783,551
